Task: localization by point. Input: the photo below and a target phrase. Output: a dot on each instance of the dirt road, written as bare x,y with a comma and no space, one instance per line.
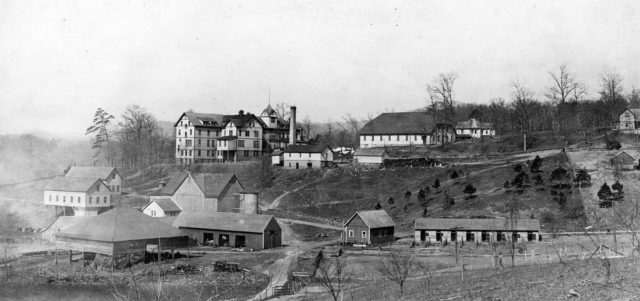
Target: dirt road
276,202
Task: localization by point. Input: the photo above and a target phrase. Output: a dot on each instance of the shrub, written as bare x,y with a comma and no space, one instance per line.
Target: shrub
454,175
436,184
469,190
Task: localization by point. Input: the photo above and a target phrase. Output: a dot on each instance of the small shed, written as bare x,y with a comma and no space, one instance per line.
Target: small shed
118,233
370,227
277,158
370,156
624,160
238,230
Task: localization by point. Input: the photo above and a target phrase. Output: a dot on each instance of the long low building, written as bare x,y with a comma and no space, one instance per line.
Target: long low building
476,230
238,230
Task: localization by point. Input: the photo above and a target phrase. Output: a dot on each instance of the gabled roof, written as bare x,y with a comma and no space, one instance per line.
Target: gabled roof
374,218
488,224
417,123
72,184
635,112
102,172
268,111
120,224
213,184
631,152
173,184
473,124
370,152
306,148
242,120
225,221
167,205
202,119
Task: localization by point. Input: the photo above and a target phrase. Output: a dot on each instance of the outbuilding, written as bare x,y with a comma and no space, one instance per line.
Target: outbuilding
300,156
226,229
277,158
370,156
121,233
475,230
370,227
623,160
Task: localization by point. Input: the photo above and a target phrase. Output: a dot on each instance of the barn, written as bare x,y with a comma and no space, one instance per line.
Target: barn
370,227
475,230
227,229
624,160
370,156
120,233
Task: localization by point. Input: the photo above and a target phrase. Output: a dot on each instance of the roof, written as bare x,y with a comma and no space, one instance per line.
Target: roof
370,152
631,152
71,184
473,124
306,148
173,184
203,119
635,112
241,120
90,172
489,224
120,224
268,111
214,184
418,123
276,152
225,221
167,205
374,218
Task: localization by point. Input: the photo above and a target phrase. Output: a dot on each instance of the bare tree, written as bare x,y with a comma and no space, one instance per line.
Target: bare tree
139,135
306,125
563,85
441,91
283,109
355,125
333,275
611,93
398,266
512,224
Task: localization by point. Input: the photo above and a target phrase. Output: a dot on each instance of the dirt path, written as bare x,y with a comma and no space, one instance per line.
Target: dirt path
279,272
296,221
276,202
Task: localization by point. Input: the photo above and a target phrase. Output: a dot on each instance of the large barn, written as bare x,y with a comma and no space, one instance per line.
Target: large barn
476,230
226,229
369,227
120,232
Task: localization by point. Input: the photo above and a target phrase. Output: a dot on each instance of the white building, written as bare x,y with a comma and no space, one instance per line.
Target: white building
86,196
241,138
629,120
370,156
109,175
472,129
308,156
404,129
476,230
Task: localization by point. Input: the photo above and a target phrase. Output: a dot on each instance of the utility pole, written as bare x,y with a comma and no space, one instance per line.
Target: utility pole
455,229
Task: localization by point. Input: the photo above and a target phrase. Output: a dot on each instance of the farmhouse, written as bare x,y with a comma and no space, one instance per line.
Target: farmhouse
476,230
369,227
623,160
404,129
86,196
201,192
308,156
370,156
472,129
109,175
120,233
629,120
231,229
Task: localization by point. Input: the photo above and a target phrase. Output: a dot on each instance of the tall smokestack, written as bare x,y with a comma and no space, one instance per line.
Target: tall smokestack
292,126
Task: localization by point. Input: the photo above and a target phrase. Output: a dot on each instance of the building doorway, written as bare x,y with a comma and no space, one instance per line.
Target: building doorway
500,236
454,235
485,236
240,241
223,240
439,236
207,237
470,236
309,165
423,235
297,165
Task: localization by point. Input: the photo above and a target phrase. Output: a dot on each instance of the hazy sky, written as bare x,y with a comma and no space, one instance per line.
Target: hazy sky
60,60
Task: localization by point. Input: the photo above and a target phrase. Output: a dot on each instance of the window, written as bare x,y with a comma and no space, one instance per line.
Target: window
188,142
406,137
217,133
79,199
98,187
255,134
207,143
49,198
178,132
71,199
364,234
190,132
364,138
389,137
246,133
256,144
246,153
104,200
230,133
64,198
309,155
208,133
153,213
190,152
255,153
90,198
350,233
57,199
240,143
397,137
199,153
300,155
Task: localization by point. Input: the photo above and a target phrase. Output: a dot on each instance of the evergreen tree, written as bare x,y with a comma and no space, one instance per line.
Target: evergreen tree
617,187
470,190
537,163
454,175
378,206
604,193
436,183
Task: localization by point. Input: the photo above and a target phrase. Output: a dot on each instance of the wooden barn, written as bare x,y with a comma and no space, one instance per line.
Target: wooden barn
370,227
624,160
118,233
227,229
476,230
370,156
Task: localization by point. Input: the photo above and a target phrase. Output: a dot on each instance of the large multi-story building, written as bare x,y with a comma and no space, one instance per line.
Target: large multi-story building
207,138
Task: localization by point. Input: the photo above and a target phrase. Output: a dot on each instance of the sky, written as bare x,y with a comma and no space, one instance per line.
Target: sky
61,60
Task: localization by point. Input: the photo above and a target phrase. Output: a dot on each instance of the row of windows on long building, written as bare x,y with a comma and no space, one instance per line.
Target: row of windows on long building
256,134
78,199
221,143
212,153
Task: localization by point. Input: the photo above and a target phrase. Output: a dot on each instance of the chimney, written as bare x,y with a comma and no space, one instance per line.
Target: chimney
241,112
292,126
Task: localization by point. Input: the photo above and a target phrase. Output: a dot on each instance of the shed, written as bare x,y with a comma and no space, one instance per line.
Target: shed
308,156
254,231
120,232
370,156
277,158
477,230
624,160
369,227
